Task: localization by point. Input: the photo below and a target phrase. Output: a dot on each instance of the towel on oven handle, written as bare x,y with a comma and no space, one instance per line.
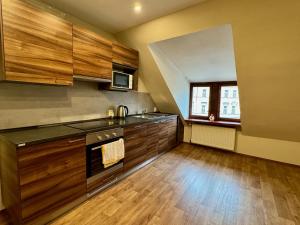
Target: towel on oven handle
113,152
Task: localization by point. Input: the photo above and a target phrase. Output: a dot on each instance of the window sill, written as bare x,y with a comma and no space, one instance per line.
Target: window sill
215,123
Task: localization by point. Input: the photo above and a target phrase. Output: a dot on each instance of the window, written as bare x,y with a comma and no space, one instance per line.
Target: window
233,102
233,110
200,101
225,109
218,98
234,93
226,93
203,111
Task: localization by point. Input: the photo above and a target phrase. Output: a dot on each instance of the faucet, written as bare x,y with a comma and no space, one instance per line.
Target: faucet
144,111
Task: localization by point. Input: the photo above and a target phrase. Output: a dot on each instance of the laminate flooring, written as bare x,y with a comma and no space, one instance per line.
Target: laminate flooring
193,185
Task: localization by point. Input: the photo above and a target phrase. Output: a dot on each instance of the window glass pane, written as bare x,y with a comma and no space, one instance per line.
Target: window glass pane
229,102
200,101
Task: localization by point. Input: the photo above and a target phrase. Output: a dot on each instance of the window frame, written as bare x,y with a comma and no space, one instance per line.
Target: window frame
192,85
214,99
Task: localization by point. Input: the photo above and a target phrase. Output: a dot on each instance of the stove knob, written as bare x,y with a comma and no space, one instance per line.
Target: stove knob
107,135
114,134
99,138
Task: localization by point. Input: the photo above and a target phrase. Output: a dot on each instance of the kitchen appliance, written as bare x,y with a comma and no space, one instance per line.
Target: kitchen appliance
122,111
121,80
97,175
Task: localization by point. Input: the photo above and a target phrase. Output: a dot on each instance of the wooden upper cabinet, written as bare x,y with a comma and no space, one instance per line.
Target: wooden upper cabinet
92,54
37,46
125,56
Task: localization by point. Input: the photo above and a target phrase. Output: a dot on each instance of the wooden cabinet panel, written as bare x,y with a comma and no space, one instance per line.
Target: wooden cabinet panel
167,134
172,133
125,56
51,175
37,45
92,54
135,145
152,139
163,137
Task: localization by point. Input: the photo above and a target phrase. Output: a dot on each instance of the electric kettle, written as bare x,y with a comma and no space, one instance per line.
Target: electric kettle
122,111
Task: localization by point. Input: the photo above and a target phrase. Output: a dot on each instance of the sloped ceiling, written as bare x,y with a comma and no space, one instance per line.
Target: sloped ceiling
117,15
203,56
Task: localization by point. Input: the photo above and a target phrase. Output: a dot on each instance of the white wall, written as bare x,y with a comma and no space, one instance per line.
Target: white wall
177,83
273,149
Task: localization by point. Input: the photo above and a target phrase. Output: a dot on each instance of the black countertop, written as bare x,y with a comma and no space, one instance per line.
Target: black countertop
29,136
36,135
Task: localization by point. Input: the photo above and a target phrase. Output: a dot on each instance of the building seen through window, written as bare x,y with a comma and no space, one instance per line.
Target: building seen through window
229,98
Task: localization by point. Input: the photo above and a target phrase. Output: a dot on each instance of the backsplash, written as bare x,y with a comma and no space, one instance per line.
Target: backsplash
24,105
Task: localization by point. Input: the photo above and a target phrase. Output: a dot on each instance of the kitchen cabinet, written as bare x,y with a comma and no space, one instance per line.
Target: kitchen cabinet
92,54
135,145
152,139
172,132
125,56
42,181
167,134
36,46
163,143
143,142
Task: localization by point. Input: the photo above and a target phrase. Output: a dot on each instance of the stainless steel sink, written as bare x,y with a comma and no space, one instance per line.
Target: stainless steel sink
150,115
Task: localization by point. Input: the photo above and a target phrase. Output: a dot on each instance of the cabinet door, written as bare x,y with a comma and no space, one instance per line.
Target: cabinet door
163,144
37,45
135,145
92,54
152,139
172,132
125,56
51,175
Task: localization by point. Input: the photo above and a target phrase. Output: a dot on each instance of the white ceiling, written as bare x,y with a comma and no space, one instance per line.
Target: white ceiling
203,56
118,15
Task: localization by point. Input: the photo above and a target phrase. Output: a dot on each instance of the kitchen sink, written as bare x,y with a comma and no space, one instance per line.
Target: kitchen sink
150,115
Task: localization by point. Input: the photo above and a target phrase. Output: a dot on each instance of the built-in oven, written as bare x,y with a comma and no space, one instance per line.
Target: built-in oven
121,80
99,177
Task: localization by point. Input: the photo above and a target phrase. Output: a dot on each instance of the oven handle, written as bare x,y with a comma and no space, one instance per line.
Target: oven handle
96,148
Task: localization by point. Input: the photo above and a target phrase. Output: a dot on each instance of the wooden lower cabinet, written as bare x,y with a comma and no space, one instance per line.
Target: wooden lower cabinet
135,147
42,181
148,140
50,178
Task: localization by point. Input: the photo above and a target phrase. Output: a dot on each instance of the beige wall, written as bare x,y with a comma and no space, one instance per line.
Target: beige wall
267,49
277,150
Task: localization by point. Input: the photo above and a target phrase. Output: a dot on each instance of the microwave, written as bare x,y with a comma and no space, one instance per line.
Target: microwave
121,80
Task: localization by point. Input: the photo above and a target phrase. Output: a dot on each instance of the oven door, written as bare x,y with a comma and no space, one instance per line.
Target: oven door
122,80
97,175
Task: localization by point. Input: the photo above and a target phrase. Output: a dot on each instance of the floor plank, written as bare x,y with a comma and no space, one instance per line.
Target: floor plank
193,185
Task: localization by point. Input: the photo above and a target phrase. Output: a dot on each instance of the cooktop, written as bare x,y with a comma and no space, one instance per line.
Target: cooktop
105,123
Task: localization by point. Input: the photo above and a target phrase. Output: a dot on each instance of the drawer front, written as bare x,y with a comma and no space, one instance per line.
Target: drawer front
135,131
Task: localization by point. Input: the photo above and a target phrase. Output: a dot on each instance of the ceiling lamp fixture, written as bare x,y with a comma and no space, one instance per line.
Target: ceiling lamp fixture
137,7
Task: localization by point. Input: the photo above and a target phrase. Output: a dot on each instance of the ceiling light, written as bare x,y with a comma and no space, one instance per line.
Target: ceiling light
137,7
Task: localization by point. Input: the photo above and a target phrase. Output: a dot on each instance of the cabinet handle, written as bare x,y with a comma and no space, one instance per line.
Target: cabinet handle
76,140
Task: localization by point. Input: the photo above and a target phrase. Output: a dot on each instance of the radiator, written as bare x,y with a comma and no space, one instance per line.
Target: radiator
217,137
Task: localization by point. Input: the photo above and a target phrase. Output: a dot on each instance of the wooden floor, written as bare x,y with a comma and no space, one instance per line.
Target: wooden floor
197,185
